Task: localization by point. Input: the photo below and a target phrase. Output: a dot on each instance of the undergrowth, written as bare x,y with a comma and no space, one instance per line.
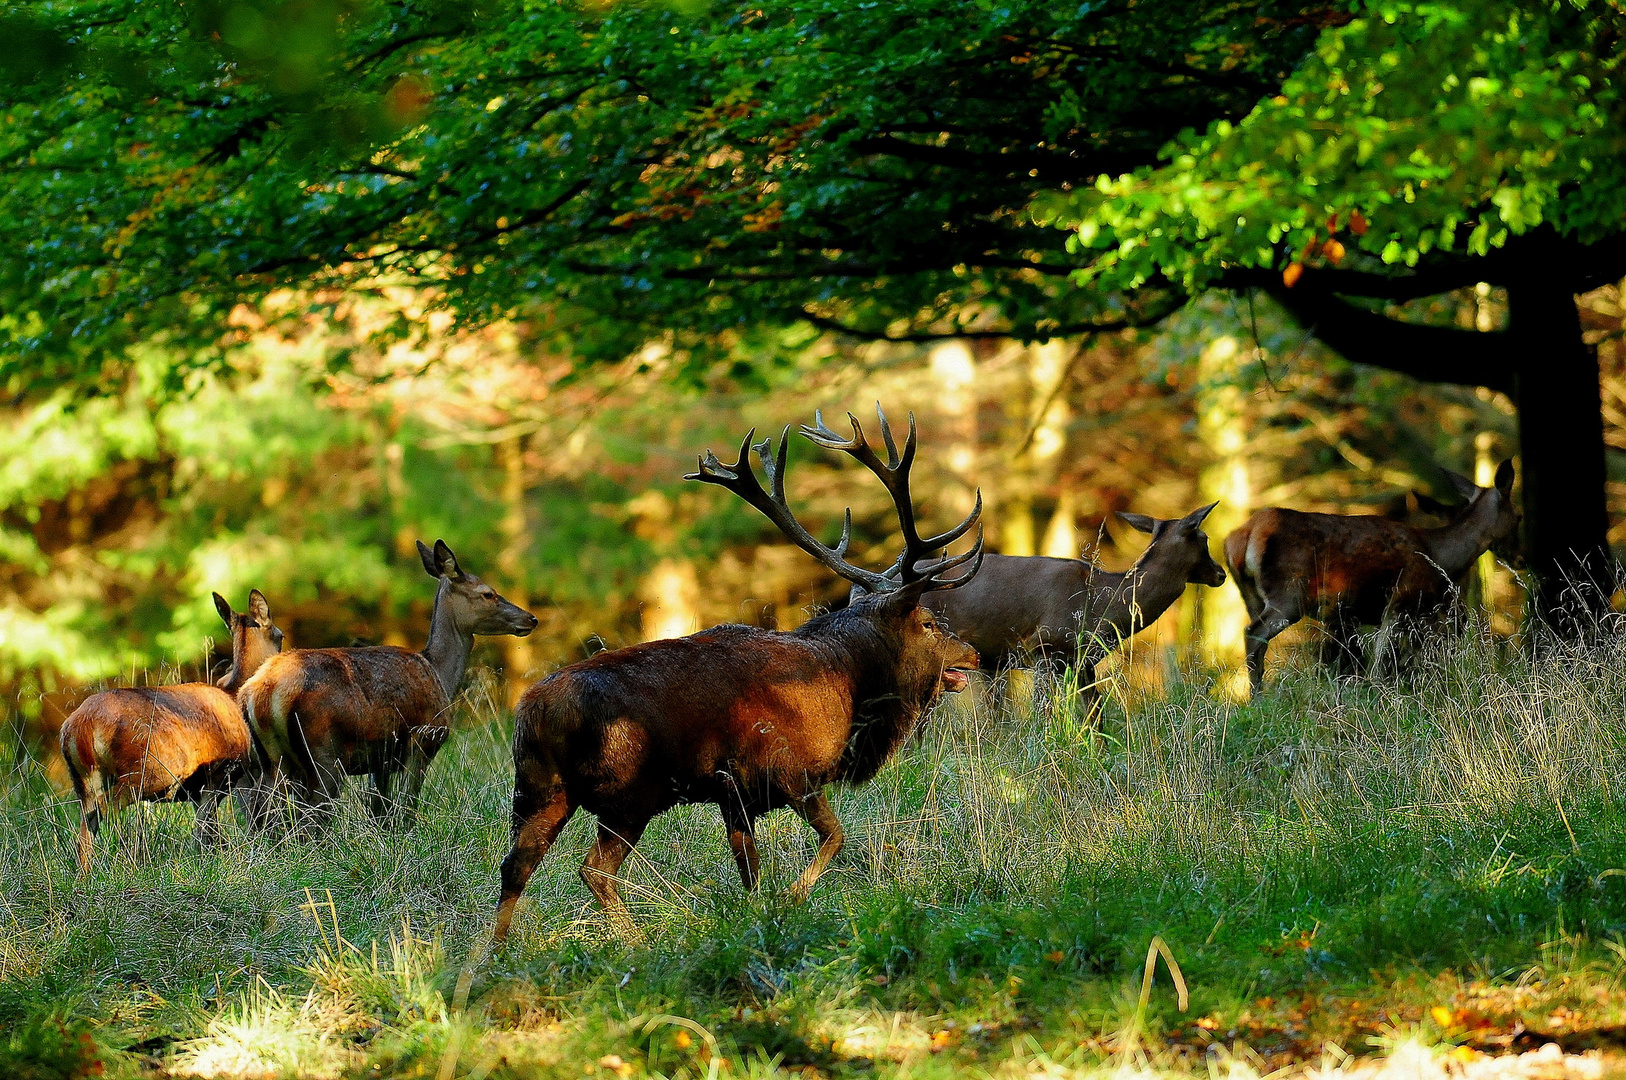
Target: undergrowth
1337,867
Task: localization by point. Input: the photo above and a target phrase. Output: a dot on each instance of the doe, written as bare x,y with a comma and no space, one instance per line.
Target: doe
1351,572
319,715
153,743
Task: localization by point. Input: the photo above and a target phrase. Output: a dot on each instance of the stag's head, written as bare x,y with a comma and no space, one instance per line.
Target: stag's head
1183,542
254,637
927,659
474,606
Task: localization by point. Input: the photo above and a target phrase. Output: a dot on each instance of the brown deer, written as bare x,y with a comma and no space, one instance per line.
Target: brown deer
153,743
1070,611
746,718
319,715
1350,572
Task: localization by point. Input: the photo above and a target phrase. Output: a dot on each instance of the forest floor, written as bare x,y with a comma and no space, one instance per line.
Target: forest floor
1352,878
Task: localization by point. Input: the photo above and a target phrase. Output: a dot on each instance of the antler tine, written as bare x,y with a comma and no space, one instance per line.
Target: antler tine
741,479
934,571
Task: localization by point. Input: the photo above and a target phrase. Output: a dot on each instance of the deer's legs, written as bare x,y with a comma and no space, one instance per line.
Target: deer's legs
742,838
378,794
815,810
90,823
1341,648
616,838
535,830
206,832
421,750
1266,625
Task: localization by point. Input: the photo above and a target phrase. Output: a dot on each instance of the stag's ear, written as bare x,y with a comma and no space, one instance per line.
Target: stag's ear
1463,486
222,607
1195,518
1139,521
258,607
906,599
1504,477
447,561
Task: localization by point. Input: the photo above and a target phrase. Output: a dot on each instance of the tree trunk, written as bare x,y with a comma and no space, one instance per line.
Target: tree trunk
1561,450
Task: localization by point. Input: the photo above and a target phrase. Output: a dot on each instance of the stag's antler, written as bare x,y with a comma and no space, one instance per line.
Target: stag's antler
913,564
742,481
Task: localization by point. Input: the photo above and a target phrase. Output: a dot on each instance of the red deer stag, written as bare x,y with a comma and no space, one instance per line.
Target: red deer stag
746,718
1350,572
1070,611
152,743
322,714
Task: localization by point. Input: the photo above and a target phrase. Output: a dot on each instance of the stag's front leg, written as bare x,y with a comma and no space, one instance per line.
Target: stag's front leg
742,839
815,810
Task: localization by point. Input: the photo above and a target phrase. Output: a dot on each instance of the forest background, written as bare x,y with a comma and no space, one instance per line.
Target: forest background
276,351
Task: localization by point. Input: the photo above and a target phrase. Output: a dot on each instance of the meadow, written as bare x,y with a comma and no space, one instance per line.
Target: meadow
1340,871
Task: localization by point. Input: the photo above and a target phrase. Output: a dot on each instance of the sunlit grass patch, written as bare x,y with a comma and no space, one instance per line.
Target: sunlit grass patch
1328,864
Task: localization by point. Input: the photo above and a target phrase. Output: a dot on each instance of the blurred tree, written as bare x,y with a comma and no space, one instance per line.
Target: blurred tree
1424,148
626,171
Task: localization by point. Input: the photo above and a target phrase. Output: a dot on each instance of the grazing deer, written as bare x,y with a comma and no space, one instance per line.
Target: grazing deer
321,714
1070,611
153,743
746,718
1350,572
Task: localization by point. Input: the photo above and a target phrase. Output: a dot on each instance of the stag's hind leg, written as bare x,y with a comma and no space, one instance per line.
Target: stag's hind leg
815,810
616,839
537,825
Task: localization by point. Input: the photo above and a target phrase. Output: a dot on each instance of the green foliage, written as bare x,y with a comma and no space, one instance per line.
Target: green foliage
619,171
1449,127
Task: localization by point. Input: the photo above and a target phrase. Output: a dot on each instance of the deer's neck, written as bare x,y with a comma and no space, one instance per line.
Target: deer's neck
886,707
449,644
1129,602
1454,547
244,663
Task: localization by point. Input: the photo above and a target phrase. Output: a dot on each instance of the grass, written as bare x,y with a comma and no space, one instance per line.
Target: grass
1341,869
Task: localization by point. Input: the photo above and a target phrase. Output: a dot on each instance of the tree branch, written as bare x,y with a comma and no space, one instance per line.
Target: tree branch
1434,354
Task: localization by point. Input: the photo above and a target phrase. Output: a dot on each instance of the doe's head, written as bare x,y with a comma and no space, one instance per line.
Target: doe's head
1182,539
474,606
254,637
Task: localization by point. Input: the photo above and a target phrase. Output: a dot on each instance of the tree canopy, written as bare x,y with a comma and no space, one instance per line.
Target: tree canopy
626,170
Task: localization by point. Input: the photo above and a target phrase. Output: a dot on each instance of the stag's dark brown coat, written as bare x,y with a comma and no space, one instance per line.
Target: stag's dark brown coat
746,718
319,715
1350,572
167,742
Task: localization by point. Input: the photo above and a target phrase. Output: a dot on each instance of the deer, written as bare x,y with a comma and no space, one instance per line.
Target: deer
746,718
319,715
1349,572
1070,612
185,742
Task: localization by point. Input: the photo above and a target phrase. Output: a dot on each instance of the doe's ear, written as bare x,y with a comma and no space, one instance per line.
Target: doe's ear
258,607
1430,505
447,561
428,558
1141,522
222,607
1195,518
1504,477
1461,484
